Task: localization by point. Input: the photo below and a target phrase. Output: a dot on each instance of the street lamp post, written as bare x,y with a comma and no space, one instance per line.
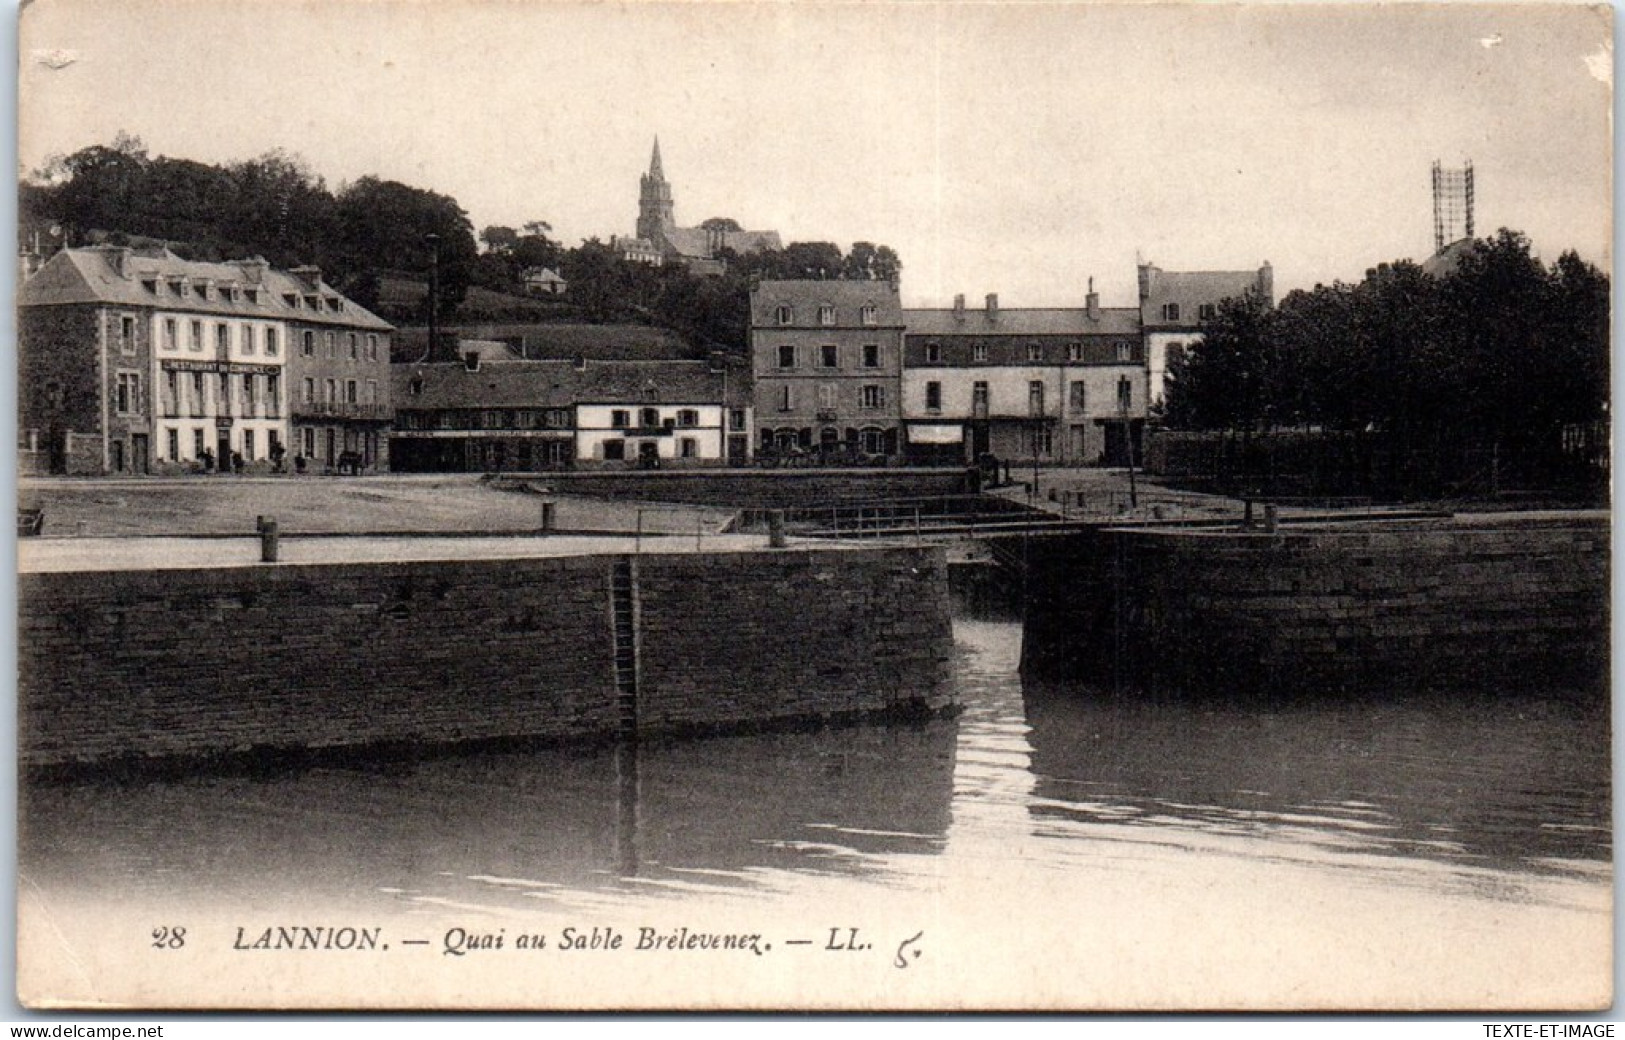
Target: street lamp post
434,292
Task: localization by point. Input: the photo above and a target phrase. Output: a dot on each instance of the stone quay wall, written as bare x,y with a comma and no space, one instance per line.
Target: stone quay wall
140,669
1341,610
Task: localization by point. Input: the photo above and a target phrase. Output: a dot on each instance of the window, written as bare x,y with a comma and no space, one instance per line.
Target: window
783,314
224,402
273,395
129,393
933,397
688,417
355,347
786,400
350,392
826,396
1035,397
197,336
1125,351
1079,396
1170,312
873,395
308,346
868,315
1041,442
308,442
1074,351
557,418
248,445
199,407
620,418
372,346
251,384
248,339
222,337
126,333
172,393
253,295
332,345
933,353
415,386
171,334
1207,312
309,393
1125,394
649,418
871,355
197,444
1035,352
979,352
872,441
787,356
270,343
332,391
688,447
829,356
615,450
372,392
826,314
978,398
736,419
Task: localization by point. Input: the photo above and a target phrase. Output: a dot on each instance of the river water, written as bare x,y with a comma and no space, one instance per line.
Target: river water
1051,847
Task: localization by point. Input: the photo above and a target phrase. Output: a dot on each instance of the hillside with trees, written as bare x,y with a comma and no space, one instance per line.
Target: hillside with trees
370,238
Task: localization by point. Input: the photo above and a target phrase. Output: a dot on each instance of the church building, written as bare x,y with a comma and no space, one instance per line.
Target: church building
660,241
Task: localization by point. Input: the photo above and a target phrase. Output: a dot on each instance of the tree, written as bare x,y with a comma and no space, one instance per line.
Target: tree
386,224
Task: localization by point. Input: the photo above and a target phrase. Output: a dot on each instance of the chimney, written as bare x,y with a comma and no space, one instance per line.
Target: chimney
1092,302
1148,280
1266,283
992,305
119,257
959,306
309,274
254,269
471,360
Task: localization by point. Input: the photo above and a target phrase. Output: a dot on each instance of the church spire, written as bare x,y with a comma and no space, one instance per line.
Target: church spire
655,173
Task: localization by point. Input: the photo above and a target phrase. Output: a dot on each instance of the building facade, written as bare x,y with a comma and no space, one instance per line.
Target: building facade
135,361
660,241
826,360
1062,386
1173,305
496,416
340,378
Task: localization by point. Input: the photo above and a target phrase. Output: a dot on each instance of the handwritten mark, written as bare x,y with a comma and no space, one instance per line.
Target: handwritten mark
901,961
56,59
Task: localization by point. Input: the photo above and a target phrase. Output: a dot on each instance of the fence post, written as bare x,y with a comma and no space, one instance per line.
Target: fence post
266,526
775,528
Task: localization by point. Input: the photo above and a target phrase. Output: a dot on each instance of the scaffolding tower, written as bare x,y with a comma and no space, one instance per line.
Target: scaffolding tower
1452,204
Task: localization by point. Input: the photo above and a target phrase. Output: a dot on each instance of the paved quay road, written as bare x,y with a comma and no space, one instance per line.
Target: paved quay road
58,555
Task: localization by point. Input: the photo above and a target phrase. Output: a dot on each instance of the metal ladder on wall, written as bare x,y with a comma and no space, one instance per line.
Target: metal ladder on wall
623,623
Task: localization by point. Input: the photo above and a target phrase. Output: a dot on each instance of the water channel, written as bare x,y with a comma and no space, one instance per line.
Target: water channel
1051,847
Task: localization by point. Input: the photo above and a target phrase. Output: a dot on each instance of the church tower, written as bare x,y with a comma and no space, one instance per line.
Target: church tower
655,216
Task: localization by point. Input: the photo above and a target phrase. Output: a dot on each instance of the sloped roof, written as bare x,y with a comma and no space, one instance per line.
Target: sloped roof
1022,321
563,341
1191,289
555,384
1448,260
805,296
93,276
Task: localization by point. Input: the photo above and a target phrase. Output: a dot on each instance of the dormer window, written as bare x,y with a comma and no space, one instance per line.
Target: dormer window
151,285
1074,351
177,286
253,295
1170,312
783,314
1035,352
869,315
826,314
202,290
291,299
933,353
1125,351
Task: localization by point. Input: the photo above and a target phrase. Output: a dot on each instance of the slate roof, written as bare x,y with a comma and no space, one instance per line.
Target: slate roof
696,242
563,341
1448,260
806,296
1190,289
93,276
1022,321
555,384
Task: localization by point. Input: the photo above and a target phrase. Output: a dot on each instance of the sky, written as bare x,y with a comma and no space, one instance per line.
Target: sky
1017,148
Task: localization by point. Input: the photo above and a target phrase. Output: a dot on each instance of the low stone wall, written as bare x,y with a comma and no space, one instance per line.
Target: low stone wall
138,667
761,488
1352,610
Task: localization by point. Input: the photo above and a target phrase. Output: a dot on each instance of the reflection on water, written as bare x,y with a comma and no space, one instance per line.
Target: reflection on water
1474,794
